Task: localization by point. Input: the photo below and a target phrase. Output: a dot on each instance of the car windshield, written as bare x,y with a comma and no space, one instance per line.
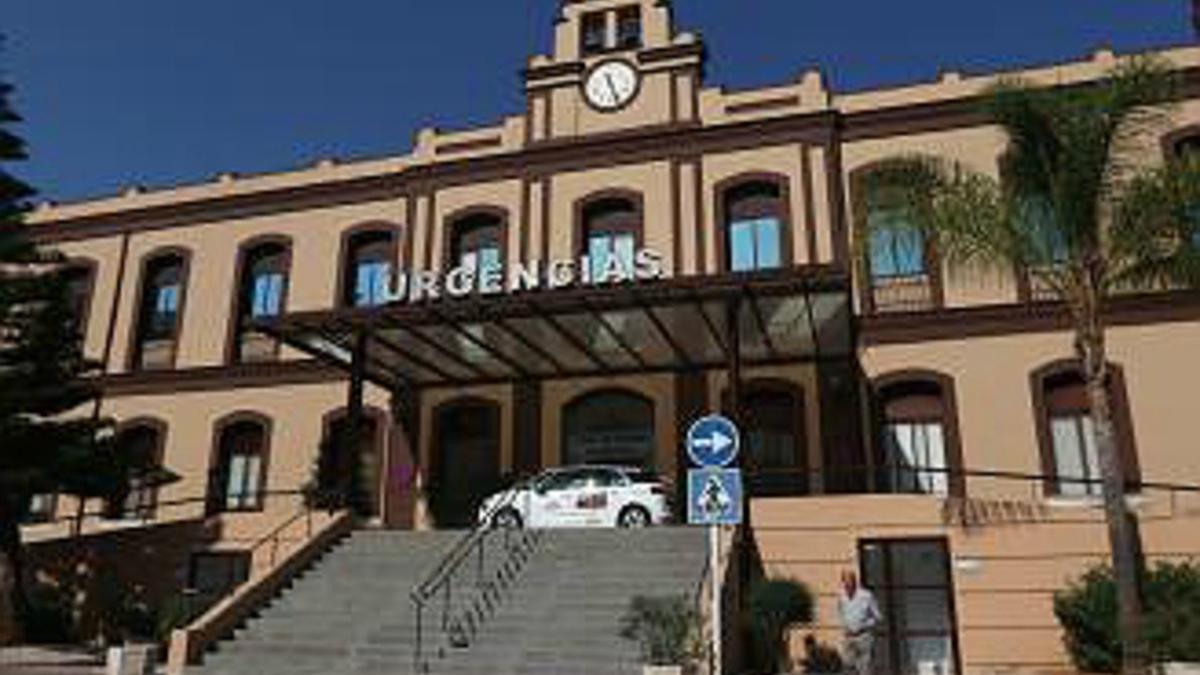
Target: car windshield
643,476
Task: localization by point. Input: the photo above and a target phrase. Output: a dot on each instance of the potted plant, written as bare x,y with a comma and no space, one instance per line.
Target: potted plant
775,606
667,630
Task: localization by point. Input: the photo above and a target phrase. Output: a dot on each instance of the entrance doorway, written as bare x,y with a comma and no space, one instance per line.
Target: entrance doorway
367,460
467,460
912,581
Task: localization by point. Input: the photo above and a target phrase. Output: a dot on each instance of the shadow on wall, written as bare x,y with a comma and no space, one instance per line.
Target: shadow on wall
105,588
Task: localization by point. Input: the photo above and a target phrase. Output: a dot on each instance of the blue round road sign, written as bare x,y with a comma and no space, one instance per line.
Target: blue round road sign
713,441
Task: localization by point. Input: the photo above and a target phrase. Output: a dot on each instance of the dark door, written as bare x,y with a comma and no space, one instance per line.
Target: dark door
911,580
467,461
367,462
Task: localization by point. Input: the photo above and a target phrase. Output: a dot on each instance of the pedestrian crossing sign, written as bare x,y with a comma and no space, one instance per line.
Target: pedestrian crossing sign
714,497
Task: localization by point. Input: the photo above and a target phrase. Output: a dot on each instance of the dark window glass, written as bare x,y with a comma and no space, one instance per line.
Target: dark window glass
914,441
141,447
41,508
78,282
754,227
629,28
369,269
594,38
897,248
264,278
610,428
478,242
158,317
612,228
240,476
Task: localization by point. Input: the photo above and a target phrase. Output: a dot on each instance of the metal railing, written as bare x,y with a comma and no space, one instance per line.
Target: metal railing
467,586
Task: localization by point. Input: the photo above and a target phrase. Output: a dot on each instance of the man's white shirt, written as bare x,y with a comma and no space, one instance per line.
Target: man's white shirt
860,613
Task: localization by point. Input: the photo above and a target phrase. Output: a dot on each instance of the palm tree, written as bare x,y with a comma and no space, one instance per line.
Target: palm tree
1082,212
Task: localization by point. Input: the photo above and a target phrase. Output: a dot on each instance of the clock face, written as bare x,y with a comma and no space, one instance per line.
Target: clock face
611,85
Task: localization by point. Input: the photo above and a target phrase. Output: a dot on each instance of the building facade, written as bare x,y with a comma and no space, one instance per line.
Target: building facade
579,281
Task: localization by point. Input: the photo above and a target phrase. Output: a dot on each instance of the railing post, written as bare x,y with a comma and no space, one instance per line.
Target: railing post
479,575
417,646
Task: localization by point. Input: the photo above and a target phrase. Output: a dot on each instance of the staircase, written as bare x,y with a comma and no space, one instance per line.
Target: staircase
352,613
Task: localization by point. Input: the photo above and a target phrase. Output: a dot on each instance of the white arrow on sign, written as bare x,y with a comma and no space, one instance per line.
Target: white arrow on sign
717,442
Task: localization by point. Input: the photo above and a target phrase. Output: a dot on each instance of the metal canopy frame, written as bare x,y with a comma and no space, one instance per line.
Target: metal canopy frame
681,324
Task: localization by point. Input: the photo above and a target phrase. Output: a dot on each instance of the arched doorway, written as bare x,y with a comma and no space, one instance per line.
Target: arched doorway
466,460
366,462
609,427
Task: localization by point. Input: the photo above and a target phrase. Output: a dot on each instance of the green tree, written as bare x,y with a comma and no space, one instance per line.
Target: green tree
1081,211
50,442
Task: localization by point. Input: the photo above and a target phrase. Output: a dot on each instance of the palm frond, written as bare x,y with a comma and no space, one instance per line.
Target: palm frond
1155,240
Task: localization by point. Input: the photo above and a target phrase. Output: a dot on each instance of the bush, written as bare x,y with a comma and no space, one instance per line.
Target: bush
776,605
667,628
49,618
1087,611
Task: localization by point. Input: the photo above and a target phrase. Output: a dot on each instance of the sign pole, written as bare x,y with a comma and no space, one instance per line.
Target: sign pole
714,567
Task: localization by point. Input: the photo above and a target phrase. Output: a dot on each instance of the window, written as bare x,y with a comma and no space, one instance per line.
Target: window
140,444
912,581
754,226
1070,458
919,435
262,290
212,576
775,444
594,35
612,228
368,269
163,286
629,28
78,280
240,477
478,242
42,508
610,427
900,268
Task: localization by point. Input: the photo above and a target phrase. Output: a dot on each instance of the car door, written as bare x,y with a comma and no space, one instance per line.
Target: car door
595,499
554,501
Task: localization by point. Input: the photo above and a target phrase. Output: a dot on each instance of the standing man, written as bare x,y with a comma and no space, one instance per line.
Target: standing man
860,617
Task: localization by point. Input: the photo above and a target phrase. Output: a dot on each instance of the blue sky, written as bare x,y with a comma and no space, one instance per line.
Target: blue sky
156,93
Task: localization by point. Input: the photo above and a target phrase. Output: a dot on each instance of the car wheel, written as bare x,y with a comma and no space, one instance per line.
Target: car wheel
507,519
633,517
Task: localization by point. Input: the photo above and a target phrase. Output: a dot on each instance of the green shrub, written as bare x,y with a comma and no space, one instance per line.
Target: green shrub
1087,611
48,617
775,605
667,628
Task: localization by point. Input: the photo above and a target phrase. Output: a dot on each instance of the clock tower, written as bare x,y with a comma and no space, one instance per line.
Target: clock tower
617,65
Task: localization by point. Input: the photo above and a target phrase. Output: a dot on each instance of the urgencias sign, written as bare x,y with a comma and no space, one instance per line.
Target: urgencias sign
464,280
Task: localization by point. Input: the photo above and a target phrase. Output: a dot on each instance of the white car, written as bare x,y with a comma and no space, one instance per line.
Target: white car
581,496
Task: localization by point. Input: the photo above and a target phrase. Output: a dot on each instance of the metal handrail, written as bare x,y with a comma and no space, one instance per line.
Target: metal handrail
459,631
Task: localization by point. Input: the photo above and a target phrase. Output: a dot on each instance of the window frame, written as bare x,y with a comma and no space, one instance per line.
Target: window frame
585,48
570,407
238,314
915,383
934,277
727,200
218,493
632,224
623,14
89,269
1071,369
473,219
160,429
137,326
351,241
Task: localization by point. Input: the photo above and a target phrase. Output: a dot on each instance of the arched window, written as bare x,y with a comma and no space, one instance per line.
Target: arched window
79,279
477,241
160,311
139,443
900,267
609,427
1185,145
261,294
776,455
919,442
755,219
1066,434
611,230
368,264
240,475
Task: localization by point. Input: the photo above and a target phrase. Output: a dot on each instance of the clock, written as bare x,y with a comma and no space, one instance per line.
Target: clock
611,85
